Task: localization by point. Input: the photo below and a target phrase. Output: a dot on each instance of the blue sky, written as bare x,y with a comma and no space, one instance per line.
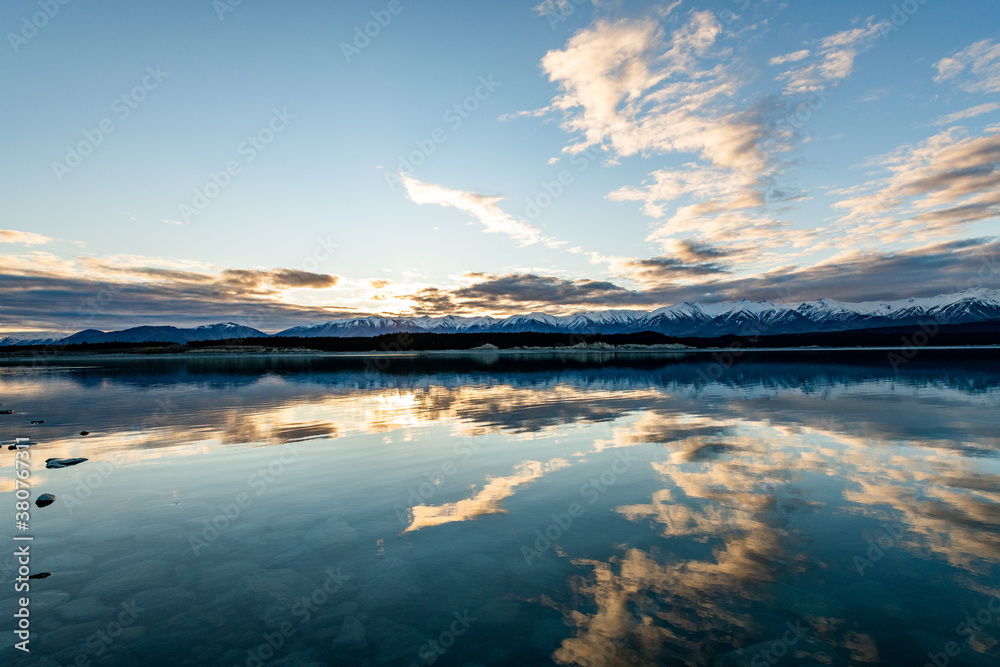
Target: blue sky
265,164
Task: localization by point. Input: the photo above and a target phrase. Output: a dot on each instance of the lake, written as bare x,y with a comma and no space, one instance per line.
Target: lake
798,508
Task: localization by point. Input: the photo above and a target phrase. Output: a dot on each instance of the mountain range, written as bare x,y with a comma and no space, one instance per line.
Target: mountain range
747,318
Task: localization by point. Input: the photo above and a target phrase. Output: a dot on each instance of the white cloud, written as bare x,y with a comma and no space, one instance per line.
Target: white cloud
946,181
26,238
482,207
555,7
833,60
630,89
790,57
971,112
977,68
720,187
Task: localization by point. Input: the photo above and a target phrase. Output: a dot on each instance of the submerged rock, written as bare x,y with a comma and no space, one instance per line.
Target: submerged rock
352,635
85,609
62,463
45,499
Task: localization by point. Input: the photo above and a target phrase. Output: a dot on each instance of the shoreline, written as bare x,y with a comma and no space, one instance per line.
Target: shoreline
570,351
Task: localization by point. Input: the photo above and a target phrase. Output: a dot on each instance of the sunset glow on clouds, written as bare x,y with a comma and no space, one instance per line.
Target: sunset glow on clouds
635,155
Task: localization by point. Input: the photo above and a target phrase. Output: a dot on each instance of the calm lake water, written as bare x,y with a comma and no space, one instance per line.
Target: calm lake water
796,509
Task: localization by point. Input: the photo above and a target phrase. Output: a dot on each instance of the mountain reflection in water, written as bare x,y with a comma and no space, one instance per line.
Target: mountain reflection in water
804,508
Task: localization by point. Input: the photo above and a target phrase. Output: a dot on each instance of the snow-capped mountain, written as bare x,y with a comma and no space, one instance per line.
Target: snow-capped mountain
747,318
695,319
7,341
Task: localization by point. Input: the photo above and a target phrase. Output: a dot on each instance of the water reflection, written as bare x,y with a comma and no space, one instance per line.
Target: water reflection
812,511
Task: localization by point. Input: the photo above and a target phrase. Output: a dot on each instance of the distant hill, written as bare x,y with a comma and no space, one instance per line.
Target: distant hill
971,308
164,334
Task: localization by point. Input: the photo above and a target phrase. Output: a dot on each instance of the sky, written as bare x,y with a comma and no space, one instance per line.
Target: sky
283,164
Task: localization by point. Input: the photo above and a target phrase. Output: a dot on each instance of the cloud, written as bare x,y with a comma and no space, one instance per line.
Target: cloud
971,112
106,294
692,271
790,57
629,88
555,8
487,501
722,189
657,271
482,207
25,238
833,60
517,293
975,68
277,279
936,186
697,273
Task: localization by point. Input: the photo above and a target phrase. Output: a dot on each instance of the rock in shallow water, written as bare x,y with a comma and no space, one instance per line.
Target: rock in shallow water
62,463
130,579
45,500
352,635
333,532
86,609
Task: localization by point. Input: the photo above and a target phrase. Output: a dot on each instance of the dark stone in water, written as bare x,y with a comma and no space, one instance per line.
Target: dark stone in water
45,499
62,463
40,575
84,432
